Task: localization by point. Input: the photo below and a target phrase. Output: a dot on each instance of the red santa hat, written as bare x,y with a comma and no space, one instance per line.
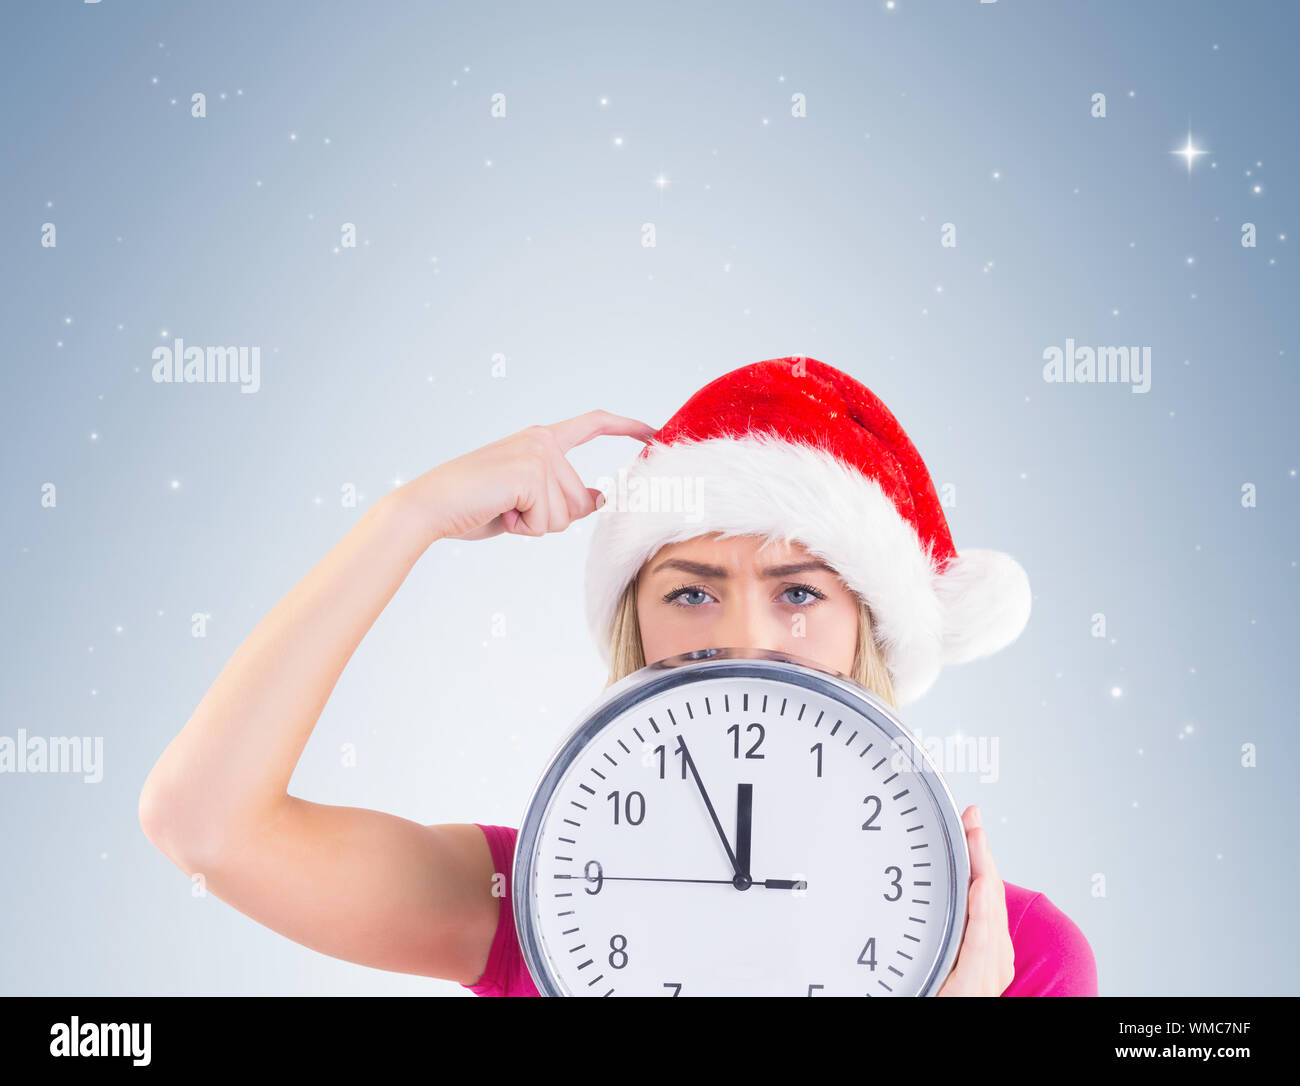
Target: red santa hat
792,448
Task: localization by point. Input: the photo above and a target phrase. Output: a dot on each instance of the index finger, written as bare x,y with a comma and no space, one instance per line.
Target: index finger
582,428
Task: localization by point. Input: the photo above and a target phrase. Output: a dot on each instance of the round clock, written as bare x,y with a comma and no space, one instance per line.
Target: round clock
740,822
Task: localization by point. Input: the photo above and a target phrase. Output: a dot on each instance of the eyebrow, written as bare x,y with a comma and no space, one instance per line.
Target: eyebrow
703,569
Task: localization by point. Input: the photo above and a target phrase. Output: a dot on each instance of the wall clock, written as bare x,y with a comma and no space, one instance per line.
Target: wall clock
740,822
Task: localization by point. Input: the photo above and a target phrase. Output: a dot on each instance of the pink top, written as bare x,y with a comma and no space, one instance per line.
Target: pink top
1052,956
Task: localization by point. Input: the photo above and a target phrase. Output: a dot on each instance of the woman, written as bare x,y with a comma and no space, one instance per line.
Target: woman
802,467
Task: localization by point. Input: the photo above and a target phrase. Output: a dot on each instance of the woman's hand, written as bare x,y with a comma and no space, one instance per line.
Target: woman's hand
521,484
986,961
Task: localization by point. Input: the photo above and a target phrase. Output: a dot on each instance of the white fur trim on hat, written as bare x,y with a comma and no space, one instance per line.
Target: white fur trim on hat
761,484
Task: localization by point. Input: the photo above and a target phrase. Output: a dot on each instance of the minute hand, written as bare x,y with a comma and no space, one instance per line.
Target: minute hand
735,867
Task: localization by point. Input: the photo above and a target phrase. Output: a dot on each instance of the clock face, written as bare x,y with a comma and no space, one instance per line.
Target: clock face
734,822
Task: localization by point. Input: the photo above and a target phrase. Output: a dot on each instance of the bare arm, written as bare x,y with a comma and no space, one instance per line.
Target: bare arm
355,884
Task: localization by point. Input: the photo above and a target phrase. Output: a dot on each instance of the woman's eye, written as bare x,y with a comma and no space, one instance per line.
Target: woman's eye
682,593
806,594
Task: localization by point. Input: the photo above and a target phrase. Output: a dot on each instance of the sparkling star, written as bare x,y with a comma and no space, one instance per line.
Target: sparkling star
1189,152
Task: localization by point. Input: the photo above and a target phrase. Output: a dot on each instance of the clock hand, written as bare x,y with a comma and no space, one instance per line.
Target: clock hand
771,884
784,884
744,828
635,878
712,813
744,824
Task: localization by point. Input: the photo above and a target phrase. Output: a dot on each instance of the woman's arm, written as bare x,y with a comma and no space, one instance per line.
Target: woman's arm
356,884
227,773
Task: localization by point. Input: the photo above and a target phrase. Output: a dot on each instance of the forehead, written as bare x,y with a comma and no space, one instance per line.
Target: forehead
736,552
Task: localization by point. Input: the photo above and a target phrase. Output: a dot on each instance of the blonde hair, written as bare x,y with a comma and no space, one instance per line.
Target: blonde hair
627,655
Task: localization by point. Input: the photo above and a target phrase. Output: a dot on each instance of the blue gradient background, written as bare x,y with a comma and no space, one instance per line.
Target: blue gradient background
776,235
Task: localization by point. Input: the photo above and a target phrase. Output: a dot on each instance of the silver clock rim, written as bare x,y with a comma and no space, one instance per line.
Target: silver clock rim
654,679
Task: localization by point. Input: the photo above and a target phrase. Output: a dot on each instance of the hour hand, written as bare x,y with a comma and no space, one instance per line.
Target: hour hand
744,824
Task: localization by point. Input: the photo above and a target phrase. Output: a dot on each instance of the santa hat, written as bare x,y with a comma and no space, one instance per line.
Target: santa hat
792,448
